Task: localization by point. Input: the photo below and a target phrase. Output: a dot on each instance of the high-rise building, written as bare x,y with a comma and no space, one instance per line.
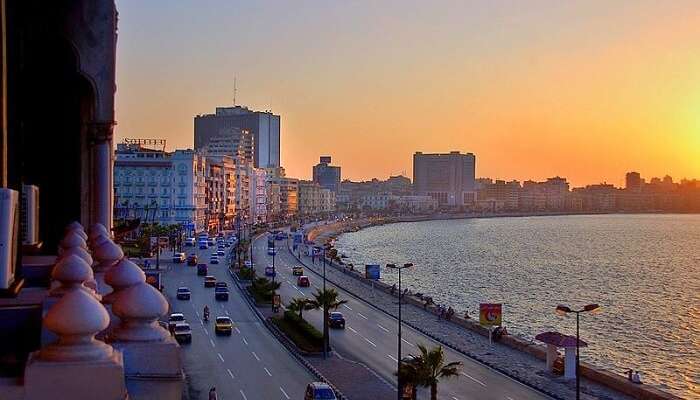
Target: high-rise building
264,127
634,182
449,178
326,175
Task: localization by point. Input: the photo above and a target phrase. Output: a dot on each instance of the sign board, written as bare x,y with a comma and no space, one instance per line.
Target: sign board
372,271
163,241
153,279
490,314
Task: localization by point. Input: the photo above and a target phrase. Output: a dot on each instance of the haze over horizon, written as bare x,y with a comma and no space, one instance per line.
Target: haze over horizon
582,89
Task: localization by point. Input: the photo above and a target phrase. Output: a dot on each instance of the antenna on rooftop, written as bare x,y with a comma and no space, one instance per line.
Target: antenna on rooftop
235,89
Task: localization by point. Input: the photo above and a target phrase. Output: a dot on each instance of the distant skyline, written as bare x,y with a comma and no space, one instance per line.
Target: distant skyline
586,90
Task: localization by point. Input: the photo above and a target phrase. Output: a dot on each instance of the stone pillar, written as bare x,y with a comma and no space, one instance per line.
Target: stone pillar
121,276
148,349
552,355
76,366
71,272
100,134
107,254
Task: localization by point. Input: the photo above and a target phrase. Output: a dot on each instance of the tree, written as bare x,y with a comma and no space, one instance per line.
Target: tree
299,304
326,300
428,368
265,287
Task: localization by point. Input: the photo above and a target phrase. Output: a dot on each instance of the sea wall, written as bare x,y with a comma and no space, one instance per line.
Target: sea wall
321,233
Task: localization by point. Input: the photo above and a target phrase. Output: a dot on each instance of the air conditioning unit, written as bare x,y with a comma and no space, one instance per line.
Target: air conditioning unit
9,229
30,215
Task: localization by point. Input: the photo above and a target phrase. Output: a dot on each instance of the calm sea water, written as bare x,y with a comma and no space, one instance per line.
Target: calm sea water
643,269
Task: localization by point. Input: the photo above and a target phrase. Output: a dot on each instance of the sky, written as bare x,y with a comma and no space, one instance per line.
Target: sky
587,90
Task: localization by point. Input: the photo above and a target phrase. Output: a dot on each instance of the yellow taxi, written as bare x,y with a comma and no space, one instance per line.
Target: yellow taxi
223,326
298,271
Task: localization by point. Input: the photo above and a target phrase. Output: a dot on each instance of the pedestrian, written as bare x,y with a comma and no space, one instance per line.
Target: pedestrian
466,314
393,289
450,313
629,375
442,311
212,394
636,378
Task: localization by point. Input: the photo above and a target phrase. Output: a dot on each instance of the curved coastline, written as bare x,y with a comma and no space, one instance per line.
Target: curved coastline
321,234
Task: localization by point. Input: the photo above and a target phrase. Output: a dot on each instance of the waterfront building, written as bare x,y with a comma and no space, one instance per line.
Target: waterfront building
416,204
287,190
258,196
160,187
264,127
378,201
314,199
221,192
550,195
497,195
351,193
634,182
327,175
449,178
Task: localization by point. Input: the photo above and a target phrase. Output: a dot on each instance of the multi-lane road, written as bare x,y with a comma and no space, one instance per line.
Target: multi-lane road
250,364
371,337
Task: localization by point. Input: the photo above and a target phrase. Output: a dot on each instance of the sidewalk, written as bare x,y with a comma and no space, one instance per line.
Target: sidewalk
521,366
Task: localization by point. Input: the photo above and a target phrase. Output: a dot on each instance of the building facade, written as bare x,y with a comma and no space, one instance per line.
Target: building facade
160,187
263,126
314,199
449,178
327,175
258,196
284,194
221,192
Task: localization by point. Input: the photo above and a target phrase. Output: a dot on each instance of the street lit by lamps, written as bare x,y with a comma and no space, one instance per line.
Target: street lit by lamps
398,358
563,310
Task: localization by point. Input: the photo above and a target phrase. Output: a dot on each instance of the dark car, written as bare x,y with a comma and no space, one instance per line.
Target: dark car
303,281
221,252
209,281
221,293
183,293
336,320
221,284
183,332
192,260
202,269
213,260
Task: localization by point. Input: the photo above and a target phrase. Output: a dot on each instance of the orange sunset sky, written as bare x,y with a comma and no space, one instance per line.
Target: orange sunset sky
587,90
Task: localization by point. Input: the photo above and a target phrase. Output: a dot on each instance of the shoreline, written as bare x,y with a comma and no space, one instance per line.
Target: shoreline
328,232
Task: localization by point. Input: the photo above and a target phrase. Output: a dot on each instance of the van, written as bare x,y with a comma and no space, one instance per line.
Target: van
319,391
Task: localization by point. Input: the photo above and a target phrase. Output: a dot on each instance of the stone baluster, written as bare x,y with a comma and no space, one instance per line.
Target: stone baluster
76,366
78,228
71,239
106,252
122,275
73,243
72,272
95,231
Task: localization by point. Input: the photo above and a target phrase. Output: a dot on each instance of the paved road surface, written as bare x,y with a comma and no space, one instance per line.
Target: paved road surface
250,364
371,338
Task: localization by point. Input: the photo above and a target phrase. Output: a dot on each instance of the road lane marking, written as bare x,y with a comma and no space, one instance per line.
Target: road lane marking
237,330
348,307
243,394
370,342
392,357
284,393
298,290
220,357
349,327
383,328
201,323
196,312
226,311
255,355
407,342
212,343
362,316
206,331
245,341
454,398
230,373
509,398
268,371
474,379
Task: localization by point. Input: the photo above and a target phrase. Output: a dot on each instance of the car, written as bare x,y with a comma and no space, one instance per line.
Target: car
280,236
174,319
182,332
211,242
303,281
202,269
298,271
271,251
192,260
179,258
190,242
227,244
221,253
209,281
270,271
213,260
221,284
223,326
203,245
221,293
336,320
319,391
183,293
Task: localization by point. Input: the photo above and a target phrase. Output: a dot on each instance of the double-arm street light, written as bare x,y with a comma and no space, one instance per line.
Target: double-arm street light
563,310
274,272
398,358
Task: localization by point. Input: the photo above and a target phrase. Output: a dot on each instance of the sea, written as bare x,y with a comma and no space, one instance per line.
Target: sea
642,269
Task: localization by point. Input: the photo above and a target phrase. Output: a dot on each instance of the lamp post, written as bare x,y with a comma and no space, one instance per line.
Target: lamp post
563,310
274,272
398,362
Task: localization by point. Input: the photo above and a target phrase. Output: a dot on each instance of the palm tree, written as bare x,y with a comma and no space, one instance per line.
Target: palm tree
265,287
428,368
299,304
326,299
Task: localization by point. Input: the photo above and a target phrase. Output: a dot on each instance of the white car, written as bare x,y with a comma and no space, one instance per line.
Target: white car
179,257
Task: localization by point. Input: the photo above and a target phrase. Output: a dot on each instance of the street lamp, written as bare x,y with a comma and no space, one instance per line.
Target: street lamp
274,272
563,310
398,362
